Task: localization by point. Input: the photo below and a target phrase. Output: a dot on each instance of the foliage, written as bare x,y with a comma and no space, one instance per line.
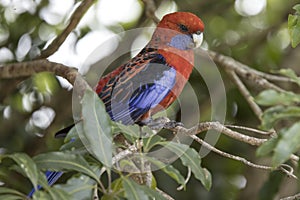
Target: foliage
69,160
260,40
283,107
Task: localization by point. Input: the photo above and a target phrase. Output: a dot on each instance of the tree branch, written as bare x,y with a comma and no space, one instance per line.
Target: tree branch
74,20
243,70
150,9
26,69
204,126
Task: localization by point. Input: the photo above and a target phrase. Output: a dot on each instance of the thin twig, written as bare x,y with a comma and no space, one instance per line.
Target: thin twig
95,193
294,197
273,77
181,187
204,126
74,20
150,9
240,159
288,170
245,92
227,155
241,69
253,130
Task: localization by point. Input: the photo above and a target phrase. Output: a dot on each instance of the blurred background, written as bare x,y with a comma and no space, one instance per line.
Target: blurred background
253,32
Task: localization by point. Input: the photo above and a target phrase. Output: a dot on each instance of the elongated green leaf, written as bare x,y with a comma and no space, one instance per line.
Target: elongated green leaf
294,26
97,135
151,141
41,195
291,74
80,186
272,97
131,132
26,166
12,192
133,191
273,114
168,169
57,161
72,140
288,144
117,191
59,194
190,158
267,147
11,197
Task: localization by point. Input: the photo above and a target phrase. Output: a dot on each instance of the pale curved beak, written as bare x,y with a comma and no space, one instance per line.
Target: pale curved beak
197,39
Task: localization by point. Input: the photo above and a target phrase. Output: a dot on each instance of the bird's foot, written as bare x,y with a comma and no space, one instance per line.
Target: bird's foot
160,123
172,124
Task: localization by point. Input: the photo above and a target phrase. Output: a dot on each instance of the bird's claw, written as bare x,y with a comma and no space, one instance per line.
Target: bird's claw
173,124
162,122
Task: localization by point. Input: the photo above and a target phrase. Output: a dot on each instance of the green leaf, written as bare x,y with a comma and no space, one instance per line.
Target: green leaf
58,161
59,194
152,193
97,135
12,192
72,140
272,97
151,141
80,186
133,190
117,191
38,195
11,197
273,114
131,132
294,26
267,147
26,166
288,144
190,158
291,74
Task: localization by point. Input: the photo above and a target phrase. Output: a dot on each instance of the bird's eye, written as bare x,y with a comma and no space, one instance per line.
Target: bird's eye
198,32
183,28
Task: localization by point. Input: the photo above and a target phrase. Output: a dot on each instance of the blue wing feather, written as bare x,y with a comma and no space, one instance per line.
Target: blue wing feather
139,88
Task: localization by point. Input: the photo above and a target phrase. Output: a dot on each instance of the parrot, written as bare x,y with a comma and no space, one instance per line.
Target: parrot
152,80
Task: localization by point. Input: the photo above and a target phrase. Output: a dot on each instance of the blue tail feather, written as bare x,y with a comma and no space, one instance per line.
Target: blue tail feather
52,177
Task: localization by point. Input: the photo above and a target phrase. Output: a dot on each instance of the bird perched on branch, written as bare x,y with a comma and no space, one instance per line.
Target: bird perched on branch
152,80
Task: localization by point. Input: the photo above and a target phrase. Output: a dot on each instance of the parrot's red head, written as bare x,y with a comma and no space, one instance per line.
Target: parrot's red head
182,23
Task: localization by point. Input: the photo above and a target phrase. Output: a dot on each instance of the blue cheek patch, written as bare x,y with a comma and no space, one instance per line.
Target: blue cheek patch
181,42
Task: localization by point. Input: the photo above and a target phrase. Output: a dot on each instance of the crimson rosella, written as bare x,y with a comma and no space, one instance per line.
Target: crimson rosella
152,80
